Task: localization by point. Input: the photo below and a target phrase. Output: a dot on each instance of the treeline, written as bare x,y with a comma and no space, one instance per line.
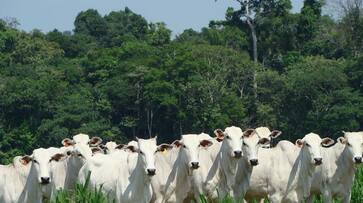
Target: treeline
118,76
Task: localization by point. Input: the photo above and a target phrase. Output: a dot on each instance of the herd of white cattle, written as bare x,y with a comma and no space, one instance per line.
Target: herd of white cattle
243,165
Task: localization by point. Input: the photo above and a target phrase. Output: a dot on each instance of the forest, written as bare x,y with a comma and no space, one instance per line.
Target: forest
119,76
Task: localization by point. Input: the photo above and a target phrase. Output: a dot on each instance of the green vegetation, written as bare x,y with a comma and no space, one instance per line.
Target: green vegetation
82,194
118,76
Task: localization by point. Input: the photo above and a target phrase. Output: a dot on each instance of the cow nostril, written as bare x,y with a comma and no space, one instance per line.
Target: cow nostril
254,162
195,165
358,159
151,172
45,180
318,161
237,153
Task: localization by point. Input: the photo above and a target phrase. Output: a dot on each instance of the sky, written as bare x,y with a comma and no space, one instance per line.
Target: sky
177,14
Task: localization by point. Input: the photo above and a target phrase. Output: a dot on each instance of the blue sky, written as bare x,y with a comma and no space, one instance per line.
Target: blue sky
177,14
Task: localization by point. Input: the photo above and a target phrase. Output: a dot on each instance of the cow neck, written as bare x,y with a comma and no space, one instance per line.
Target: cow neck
227,169
345,166
139,179
301,173
228,163
178,175
32,190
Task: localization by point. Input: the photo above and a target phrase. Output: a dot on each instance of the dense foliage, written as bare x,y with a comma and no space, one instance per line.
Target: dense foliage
119,76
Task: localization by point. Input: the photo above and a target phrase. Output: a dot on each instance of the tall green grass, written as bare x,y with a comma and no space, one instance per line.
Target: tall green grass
83,194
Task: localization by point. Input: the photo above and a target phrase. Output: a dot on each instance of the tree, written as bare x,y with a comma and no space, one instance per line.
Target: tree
91,23
310,14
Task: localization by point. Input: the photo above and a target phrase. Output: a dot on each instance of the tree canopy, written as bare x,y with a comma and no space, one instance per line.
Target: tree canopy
119,76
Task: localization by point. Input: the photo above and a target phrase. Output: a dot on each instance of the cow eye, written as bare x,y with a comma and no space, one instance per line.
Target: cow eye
228,137
244,144
35,161
307,144
184,146
80,155
349,144
141,152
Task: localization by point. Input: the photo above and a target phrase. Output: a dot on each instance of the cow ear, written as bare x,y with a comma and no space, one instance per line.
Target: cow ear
25,160
249,132
299,143
163,147
177,143
96,150
131,148
342,140
327,142
275,133
58,157
120,146
67,142
95,141
219,135
206,143
264,141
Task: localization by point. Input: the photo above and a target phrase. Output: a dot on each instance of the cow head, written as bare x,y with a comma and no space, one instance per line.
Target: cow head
311,145
41,162
190,146
251,142
82,146
110,147
353,142
264,132
232,141
147,149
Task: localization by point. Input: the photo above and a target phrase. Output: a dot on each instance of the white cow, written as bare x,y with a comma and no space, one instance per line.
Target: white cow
120,182
80,151
250,147
221,174
264,132
179,165
335,177
13,178
284,173
40,175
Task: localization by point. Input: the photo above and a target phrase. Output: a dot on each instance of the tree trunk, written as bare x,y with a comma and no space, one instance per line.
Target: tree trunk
255,55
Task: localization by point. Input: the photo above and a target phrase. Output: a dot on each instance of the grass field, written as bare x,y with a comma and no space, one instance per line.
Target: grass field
82,194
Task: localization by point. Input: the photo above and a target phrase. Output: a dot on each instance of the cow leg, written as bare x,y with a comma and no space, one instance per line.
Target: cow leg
275,198
310,199
346,198
327,196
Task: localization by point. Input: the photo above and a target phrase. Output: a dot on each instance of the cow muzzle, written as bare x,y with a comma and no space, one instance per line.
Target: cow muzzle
254,162
357,160
44,180
237,154
318,161
194,165
151,171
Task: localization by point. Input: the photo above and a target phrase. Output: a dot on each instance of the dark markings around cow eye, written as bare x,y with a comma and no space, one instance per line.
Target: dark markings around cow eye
244,144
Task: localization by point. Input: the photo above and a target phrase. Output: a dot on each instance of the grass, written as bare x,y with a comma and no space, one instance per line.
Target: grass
83,194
